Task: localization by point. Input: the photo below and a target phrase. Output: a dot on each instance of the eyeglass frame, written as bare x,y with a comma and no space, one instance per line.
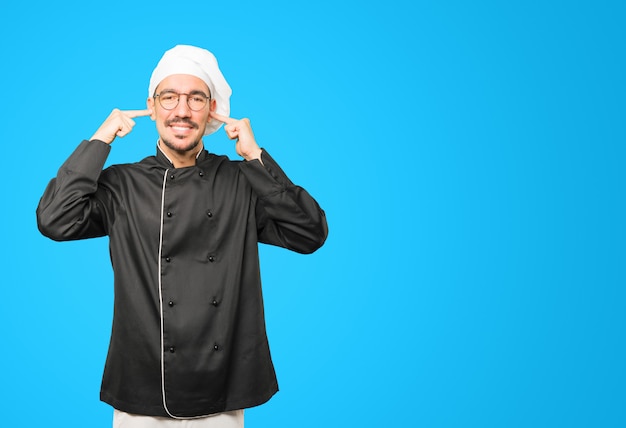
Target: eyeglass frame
197,92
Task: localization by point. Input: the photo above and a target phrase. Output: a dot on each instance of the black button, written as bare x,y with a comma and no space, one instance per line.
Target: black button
216,347
201,174
167,259
211,259
169,214
172,177
215,302
209,213
170,303
172,349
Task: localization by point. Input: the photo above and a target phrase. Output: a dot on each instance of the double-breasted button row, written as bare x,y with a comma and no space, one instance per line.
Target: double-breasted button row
214,302
209,213
200,173
172,349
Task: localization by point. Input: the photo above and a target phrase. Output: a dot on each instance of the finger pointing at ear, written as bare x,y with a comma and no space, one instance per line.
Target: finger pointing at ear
118,124
137,113
240,130
221,118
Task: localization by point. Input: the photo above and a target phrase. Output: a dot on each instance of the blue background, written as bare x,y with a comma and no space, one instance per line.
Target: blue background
470,158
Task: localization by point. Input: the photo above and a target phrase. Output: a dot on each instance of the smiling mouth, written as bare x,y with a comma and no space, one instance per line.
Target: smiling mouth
179,128
181,125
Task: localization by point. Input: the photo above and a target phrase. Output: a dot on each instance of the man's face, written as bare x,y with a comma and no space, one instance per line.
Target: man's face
181,128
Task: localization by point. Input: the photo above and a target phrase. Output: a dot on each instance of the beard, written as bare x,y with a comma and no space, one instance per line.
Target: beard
192,145
171,144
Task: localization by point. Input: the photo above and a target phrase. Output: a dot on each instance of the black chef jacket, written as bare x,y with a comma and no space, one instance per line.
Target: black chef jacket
188,335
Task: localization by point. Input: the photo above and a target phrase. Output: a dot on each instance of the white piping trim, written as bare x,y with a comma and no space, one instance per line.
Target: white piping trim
161,293
161,305
167,157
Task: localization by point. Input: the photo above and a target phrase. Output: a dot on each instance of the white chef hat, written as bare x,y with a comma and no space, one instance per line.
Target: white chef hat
184,59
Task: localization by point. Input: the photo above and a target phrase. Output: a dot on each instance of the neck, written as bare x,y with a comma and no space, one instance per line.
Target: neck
181,159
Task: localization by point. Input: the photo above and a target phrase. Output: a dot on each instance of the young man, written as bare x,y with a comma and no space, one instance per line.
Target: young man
188,342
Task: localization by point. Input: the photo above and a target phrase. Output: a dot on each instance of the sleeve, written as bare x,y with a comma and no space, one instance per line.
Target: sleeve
287,216
73,205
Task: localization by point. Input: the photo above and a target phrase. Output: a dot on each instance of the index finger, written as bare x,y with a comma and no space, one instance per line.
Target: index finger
137,113
226,120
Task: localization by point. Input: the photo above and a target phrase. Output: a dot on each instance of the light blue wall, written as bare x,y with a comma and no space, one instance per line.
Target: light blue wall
470,158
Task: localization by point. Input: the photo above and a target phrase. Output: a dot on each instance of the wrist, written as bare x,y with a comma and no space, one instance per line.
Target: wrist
256,154
101,137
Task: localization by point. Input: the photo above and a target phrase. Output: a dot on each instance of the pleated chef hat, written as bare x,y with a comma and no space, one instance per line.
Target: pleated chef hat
184,59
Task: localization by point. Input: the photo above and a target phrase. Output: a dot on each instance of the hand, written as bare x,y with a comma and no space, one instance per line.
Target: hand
240,130
118,124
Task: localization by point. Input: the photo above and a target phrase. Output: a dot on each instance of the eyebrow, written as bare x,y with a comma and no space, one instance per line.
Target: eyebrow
193,92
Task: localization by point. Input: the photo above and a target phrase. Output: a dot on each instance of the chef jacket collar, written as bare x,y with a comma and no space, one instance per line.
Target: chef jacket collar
163,158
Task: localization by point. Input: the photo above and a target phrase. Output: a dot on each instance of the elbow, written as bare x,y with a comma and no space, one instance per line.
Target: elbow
53,227
313,247
47,227
317,237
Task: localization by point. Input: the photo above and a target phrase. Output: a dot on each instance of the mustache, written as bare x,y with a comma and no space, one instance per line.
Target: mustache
183,120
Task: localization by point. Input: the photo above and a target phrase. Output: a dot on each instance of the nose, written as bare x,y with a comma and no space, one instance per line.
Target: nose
182,109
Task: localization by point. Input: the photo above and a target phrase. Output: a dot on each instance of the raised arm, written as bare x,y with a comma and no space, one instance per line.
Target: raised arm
287,216
74,204
118,124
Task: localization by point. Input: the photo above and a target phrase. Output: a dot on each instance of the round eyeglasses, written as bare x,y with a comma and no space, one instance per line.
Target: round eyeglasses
169,100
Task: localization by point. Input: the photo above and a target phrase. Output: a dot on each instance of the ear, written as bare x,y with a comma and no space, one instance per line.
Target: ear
150,105
213,105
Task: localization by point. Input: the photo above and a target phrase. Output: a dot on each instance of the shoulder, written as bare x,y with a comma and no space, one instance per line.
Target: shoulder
146,167
220,163
146,163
